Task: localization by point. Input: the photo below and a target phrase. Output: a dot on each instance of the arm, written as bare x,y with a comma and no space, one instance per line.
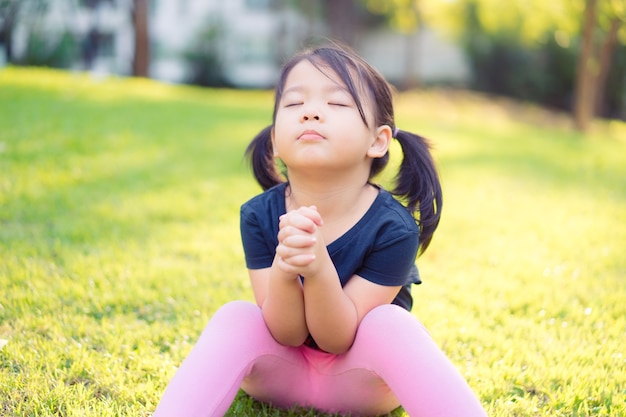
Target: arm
278,294
333,313
281,300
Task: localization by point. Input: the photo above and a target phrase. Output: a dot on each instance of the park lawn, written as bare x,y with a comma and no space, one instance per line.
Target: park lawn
119,238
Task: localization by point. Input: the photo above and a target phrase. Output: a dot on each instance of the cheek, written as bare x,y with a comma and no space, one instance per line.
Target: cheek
279,123
278,138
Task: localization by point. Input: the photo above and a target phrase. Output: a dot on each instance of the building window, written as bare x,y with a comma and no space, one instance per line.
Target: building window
106,45
97,45
254,50
260,4
93,4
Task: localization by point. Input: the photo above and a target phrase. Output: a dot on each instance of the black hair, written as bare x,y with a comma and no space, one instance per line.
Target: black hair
417,183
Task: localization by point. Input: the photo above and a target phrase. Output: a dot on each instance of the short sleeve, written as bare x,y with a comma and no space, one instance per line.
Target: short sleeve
258,250
392,262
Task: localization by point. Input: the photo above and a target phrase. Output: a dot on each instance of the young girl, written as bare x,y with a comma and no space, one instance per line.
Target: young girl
331,258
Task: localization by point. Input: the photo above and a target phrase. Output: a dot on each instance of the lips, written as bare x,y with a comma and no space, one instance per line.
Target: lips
311,135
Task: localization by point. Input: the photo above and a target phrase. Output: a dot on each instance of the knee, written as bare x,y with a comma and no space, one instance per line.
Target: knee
236,319
385,315
388,320
238,311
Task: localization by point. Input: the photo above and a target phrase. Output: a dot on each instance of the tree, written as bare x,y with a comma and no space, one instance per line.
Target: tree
584,100
607,52
533,21
341,17
141,61
8,18
14,11
594,61
406,17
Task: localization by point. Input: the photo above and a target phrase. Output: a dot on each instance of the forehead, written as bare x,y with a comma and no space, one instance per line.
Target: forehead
305,75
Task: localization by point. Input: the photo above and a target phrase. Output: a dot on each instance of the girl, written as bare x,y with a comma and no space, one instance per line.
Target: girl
331,258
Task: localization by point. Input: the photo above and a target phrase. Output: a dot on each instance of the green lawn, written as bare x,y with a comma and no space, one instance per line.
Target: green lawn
119,238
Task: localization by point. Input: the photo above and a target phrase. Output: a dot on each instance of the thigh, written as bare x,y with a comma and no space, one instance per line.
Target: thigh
281,379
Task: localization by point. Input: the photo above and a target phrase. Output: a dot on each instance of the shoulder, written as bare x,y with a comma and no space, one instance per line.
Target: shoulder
269,201
392,216
386,224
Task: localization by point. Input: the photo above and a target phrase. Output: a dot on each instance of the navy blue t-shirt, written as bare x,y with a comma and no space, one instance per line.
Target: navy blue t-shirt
381,247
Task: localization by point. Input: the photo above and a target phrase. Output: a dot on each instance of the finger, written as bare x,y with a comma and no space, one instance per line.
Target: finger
287,252
299,261
291,231
312,214
297,220
285,267
299,241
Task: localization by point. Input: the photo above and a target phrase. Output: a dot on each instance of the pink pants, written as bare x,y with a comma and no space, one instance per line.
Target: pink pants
392,362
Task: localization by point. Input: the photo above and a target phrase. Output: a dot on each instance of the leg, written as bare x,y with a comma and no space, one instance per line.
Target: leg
392,362
395,345
209,378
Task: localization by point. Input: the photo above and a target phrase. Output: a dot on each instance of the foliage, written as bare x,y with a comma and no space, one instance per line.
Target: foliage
616,85
41,48
502,64
119,239
531,20
507,60
203,56
403,15
524,49
57,51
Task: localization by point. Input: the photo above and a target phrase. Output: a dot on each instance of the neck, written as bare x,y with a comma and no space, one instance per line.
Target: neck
333,197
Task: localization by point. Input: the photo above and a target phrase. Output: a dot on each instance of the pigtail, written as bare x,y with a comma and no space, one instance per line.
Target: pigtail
261,157
417,184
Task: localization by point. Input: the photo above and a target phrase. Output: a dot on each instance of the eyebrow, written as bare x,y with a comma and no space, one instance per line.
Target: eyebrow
327,89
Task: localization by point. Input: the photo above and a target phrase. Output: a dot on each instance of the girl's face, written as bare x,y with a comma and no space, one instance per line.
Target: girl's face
318,124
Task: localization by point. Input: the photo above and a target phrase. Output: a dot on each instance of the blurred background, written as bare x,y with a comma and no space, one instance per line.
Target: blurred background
569,55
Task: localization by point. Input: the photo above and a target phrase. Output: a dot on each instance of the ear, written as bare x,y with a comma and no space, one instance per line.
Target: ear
381,142
275,151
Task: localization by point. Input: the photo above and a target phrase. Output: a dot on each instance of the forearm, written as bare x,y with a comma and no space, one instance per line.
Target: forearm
283,308
331,316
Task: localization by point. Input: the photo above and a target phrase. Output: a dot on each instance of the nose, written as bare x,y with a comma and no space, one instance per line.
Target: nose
310,113
310,116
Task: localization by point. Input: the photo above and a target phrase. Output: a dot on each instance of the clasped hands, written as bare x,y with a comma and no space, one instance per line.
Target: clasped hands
300,242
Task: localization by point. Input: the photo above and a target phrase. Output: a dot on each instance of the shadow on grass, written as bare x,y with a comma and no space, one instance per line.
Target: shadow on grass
244,405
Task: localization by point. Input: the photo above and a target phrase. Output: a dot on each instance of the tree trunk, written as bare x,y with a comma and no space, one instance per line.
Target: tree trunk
606,57
341,16
584,98
9,18
6,38
413,46
141,62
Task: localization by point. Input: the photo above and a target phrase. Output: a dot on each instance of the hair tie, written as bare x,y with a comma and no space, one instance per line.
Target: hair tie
395,132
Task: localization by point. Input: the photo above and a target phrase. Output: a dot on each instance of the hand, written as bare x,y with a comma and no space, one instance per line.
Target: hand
299,240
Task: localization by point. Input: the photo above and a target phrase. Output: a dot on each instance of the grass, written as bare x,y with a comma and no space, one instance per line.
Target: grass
119,239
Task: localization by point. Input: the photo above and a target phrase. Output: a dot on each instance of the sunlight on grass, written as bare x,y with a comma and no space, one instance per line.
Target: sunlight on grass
119,238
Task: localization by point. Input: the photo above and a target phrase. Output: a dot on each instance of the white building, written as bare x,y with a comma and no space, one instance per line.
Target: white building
249,39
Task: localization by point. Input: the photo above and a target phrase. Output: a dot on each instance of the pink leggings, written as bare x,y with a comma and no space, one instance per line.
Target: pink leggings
392,362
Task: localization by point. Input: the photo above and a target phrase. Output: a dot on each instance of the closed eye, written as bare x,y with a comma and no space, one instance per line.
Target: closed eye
339,104
293,104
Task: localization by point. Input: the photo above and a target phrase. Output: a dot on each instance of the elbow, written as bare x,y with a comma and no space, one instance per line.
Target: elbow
336,347
287,333
293,339
334,350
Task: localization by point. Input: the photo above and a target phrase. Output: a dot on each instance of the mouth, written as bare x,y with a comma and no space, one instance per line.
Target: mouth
311,135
